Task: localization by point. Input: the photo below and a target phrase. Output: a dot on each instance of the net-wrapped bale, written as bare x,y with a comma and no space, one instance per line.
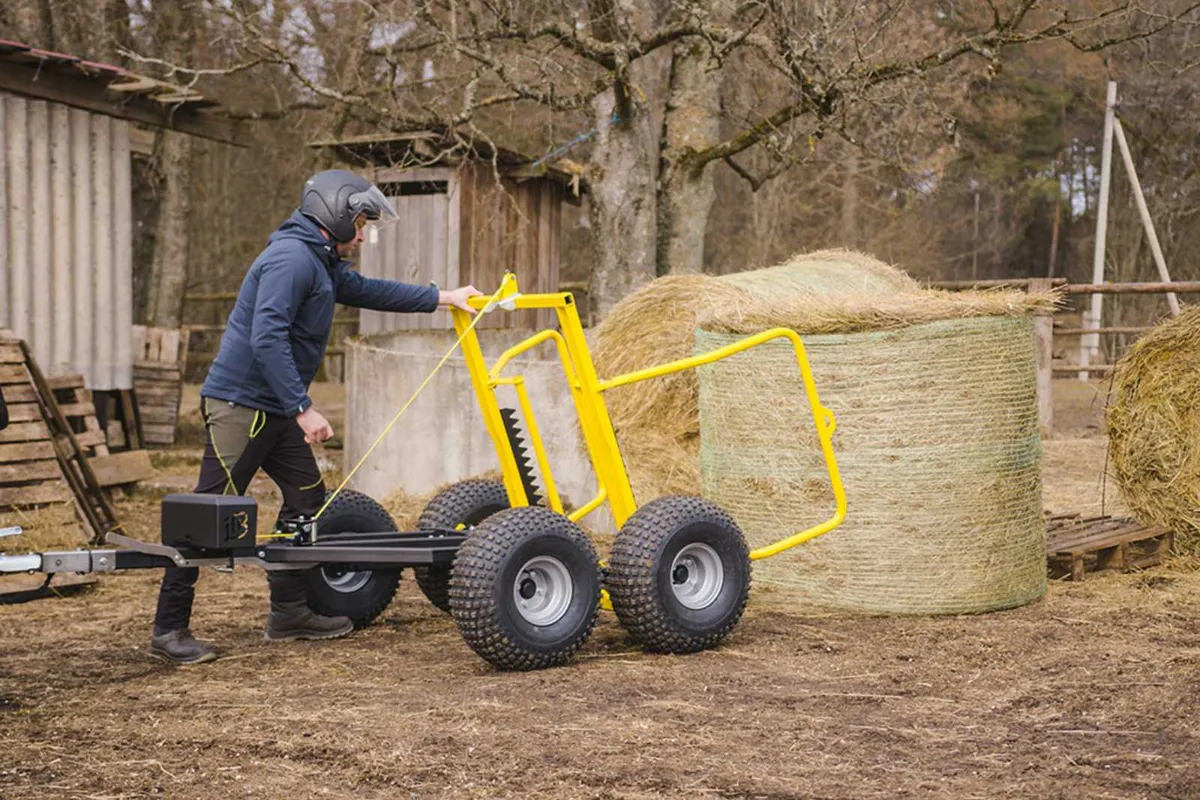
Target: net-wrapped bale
937,441
1153,423
657,421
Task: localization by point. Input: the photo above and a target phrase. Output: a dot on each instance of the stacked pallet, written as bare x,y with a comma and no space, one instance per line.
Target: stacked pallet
29,469
160,355
45,461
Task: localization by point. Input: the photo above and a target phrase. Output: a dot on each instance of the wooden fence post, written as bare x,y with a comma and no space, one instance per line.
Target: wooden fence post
1043,338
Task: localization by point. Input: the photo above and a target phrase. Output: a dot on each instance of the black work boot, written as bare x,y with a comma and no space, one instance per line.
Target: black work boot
295,620
178,647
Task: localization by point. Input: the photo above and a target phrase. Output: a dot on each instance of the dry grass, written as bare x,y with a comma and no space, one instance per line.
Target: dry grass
46,528
1153,424
1090,692
811,314
657,421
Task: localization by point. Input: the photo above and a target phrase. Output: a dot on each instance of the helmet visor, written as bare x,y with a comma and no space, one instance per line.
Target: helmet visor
372,204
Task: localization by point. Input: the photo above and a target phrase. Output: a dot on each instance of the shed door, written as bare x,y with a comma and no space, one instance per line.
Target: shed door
415,249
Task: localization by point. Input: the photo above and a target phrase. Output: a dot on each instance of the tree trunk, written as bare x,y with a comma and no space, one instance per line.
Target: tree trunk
691,124
168,269
622,210
850,200
176,36
624,166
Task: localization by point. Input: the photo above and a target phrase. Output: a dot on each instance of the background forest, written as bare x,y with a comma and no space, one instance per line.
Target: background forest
954,139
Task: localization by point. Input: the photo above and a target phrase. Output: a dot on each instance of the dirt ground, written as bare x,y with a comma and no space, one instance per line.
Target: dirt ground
1089,693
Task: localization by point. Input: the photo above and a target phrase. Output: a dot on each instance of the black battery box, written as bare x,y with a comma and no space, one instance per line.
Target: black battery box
209,521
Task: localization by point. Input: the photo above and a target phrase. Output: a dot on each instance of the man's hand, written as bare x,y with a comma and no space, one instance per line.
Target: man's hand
316,428
458,297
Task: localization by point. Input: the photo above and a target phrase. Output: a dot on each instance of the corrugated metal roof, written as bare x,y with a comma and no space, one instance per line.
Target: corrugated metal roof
109,89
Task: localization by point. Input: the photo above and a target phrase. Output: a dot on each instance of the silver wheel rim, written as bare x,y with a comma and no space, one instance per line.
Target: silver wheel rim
543,590
344,581
697,576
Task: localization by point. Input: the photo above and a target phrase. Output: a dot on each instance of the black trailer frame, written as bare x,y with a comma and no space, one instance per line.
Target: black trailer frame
357,551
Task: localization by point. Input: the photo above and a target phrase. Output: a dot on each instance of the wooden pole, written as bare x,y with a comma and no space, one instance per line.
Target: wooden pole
1043,337
1144,211
975,241
1177,287
1089,346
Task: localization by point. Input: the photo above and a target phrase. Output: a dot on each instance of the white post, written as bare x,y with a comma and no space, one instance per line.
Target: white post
1148,223
1089,343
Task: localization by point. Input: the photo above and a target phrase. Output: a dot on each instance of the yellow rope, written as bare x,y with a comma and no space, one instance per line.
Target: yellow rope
404,408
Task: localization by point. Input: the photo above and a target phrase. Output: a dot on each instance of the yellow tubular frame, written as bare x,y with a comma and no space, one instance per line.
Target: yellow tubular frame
587,391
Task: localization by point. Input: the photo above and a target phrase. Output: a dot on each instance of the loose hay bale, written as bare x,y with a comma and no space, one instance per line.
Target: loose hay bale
1153,423
657,421
52,527
938,445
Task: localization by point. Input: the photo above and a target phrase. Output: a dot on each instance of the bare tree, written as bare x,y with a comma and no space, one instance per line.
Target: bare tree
668,91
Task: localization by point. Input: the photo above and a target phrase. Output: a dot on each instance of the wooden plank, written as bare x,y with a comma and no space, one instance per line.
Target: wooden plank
1104,538
26,451
139,342
20,394
122,468
157,369
25,432
13,373
78,409
44,470
65,382
24,412
170,346
159,416
129,421
163,393
11,354
91,438
56,492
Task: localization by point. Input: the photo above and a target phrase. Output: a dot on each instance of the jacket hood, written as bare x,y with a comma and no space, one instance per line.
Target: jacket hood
303,229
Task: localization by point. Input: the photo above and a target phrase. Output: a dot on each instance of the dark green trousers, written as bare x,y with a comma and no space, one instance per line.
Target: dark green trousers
240,442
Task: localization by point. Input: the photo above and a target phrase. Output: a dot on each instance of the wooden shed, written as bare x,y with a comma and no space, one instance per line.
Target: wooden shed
466,215
66,254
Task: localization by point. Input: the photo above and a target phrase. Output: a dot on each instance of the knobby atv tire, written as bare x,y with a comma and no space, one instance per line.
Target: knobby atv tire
353,512
485,579
467,504
639,575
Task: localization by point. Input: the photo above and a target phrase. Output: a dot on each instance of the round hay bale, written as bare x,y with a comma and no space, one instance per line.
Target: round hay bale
939,450
657,421
1153,423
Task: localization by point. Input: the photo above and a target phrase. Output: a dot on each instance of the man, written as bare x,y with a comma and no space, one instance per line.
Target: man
255,400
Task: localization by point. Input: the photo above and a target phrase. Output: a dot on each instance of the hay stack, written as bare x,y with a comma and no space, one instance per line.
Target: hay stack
1153,422
657,421
937,441
935,395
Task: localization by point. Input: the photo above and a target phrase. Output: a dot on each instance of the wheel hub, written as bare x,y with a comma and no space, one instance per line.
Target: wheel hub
697,576
344,581
543,590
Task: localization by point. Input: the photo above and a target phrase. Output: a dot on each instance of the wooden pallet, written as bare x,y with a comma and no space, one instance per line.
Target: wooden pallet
1076,544
160,355
42,459
29,469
